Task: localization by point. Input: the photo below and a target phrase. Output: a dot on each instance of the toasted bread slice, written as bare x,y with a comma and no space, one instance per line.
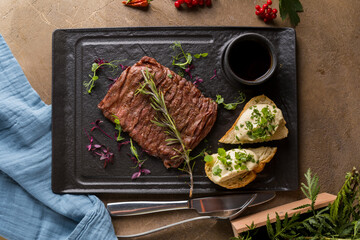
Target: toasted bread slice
265,154
280,133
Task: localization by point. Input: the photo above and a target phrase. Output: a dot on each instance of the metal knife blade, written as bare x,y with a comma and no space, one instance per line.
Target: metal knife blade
228,202
201,205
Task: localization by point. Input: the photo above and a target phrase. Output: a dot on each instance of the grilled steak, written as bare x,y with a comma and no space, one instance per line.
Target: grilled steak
194,114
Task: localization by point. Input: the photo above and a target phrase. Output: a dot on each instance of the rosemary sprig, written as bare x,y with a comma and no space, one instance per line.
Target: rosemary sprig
165,120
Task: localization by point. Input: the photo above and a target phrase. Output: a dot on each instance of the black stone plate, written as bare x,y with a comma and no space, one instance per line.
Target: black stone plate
75,170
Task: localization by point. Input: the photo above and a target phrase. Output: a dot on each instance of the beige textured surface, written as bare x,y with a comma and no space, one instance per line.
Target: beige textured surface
328,78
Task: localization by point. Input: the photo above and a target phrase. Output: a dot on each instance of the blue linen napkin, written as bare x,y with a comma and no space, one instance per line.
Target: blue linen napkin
28,207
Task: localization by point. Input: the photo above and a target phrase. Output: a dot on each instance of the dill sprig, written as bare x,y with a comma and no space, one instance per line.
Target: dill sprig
165,120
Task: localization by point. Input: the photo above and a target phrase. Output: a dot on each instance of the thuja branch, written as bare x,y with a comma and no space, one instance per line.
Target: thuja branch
165,120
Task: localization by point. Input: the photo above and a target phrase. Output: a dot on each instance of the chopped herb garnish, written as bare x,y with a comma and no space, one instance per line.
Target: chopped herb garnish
236,127
231,106
222,152
170,75
217,171
264,127
208,158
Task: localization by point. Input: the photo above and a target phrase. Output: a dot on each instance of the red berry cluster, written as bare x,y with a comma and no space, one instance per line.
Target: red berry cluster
266,12
192,3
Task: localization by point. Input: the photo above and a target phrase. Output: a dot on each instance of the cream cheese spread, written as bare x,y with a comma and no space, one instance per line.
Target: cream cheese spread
232,163
258,122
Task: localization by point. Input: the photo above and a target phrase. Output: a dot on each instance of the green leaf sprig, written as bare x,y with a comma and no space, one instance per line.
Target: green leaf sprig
199,55
165,120
118,128
89,85
339,220
183,59
231,106
135,153
290,8
180,56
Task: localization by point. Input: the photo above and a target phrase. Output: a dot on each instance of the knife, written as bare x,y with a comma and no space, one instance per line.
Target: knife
201,205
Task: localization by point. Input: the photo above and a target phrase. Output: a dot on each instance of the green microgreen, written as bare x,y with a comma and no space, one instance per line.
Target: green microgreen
181,59
118,128
199,55
98,64
139,162
231,106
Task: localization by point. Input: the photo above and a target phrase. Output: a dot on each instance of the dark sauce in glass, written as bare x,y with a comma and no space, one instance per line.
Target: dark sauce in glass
249,60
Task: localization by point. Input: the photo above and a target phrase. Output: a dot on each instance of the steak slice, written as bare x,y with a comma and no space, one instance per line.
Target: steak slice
194,114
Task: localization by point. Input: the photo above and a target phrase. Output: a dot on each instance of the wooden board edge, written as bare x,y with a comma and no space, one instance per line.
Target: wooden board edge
259,219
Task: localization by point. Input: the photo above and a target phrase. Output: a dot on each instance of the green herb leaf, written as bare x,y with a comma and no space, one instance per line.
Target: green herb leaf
231,106
290,8
180,55
221,152
312,189
199,55
118,128
94,67
217,171
89,85
208,158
